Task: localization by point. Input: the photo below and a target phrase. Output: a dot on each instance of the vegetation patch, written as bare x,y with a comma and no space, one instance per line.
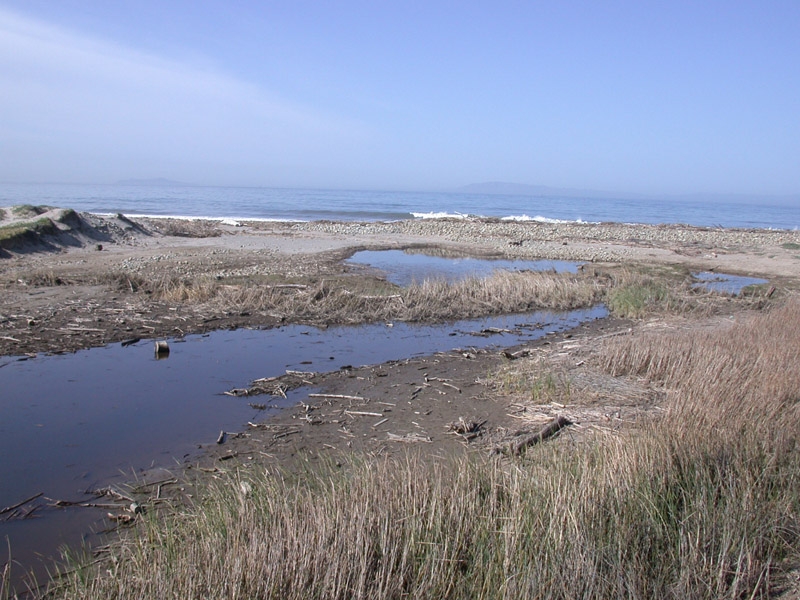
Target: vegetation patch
16,234
790,246
28,211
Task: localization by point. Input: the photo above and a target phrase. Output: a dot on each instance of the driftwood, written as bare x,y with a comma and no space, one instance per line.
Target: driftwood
408,438
522,443
18,504
337,397
361,413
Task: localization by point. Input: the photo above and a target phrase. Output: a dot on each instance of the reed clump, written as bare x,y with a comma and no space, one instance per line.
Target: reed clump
702,502
355,301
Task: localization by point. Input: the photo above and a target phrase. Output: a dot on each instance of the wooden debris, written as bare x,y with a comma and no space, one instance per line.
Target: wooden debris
338,397
237,392
278,436
358,413
409,438
109,491
8,509
467,429
516,355
162,348
522,443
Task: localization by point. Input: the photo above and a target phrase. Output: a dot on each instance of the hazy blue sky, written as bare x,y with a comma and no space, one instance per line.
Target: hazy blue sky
651,97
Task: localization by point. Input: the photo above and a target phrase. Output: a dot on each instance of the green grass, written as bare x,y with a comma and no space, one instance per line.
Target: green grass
28,211
790,246
13,234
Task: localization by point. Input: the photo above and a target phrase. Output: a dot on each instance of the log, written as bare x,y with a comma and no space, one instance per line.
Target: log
162,349
518,446
18,504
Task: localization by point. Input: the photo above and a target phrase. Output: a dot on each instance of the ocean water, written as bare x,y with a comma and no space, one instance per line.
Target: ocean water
355,205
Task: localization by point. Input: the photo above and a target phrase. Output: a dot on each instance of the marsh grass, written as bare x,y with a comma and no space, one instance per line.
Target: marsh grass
354,300
700,503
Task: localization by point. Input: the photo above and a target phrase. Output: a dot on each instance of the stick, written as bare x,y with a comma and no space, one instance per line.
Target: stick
278,436
338,397
359,413
18,504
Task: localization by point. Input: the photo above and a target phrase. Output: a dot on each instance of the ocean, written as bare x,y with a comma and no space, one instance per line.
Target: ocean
250,203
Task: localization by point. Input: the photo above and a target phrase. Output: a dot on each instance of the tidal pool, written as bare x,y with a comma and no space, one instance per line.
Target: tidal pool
724,283
405,267
71,423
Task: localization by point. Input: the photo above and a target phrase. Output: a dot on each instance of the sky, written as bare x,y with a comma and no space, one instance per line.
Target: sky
638,97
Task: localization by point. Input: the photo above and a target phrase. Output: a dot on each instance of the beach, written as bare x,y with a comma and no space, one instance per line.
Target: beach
58,295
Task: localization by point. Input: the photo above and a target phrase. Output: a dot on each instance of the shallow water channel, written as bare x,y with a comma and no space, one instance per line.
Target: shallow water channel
71,423
723,283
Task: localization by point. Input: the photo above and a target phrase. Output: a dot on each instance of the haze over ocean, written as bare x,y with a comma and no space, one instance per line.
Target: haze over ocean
354,205
649,99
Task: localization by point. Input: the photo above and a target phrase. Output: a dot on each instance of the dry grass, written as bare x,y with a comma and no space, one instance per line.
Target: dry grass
702,503
750,369
357,301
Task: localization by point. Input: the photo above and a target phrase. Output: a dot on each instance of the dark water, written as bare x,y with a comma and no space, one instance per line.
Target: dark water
365,205
403,268
69,423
